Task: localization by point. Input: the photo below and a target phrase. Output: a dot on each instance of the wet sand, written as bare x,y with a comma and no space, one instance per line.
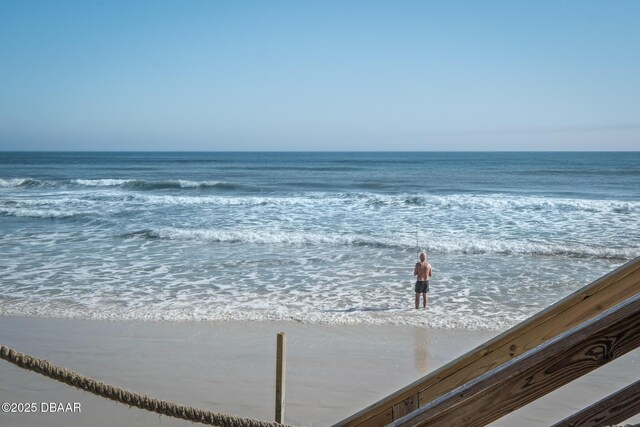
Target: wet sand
332,371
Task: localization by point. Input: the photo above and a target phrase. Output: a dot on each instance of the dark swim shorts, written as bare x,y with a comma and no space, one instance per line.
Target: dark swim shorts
422,286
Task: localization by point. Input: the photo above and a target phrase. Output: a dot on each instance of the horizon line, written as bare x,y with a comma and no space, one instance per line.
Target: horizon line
318,151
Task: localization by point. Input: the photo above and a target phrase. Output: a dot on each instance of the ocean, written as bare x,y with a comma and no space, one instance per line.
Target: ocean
326,237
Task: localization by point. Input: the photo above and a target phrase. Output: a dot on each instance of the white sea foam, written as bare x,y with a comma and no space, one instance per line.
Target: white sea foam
441,245
40,213
195,184
487,224
491,203
15,182
337,258
19,182
171,200
497,203
102,182
433,318
509,203
45,207
253,236
153,185
174,280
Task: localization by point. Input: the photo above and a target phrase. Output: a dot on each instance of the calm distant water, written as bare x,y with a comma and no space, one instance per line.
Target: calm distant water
310,237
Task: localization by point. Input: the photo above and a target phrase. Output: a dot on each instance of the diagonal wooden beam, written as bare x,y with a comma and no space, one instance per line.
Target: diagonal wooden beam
613,409
583,304
542,370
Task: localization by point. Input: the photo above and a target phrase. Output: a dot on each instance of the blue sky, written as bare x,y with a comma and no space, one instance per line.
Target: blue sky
325,75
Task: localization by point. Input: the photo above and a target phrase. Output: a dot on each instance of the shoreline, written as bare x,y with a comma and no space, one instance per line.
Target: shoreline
332,371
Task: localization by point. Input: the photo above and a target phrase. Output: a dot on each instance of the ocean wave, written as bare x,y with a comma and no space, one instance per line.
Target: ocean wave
102,182
40,213
455,203
156,185
145,234
444,245
500,202
63,207
435,317
491,202
20,182
245,236
523,247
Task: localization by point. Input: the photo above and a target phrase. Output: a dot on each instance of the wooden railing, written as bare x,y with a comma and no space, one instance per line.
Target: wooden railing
613,409
577,308
542,370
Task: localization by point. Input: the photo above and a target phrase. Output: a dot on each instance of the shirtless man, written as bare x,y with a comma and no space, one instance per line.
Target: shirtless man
422,271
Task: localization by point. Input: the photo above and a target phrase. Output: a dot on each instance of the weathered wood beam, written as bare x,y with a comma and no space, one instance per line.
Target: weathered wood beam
613,409
559,361
281,365
583,304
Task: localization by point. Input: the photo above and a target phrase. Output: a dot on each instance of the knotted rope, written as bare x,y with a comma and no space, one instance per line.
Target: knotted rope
127,397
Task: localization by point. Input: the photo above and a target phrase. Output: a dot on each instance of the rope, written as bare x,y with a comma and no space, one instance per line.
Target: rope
127,397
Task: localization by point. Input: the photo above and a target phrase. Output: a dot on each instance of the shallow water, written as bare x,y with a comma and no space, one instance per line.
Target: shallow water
310,237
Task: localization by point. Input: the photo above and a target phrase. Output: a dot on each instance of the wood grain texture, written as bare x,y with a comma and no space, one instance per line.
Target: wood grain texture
405,407
613,409
536,373
584,304
381,419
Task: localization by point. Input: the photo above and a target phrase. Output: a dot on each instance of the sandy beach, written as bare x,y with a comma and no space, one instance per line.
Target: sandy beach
180,182
332,371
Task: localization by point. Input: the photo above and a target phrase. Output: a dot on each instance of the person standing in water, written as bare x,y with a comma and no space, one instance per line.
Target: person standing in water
422,271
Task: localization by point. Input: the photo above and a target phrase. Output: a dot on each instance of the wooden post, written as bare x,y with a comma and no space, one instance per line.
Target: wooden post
281,355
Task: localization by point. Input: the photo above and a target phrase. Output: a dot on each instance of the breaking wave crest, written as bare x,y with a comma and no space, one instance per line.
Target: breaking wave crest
446,245
135,184
156,185
40,213
436,317
20,182
515,203
450,203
